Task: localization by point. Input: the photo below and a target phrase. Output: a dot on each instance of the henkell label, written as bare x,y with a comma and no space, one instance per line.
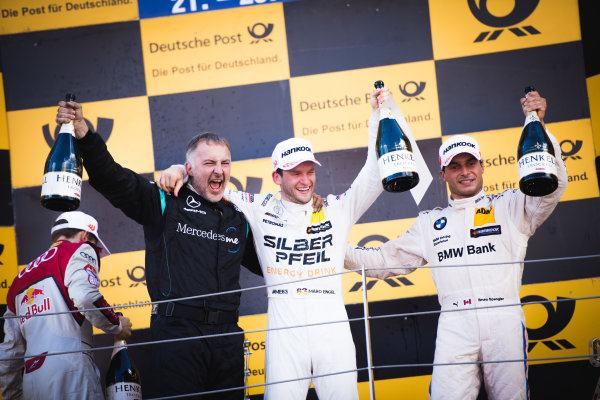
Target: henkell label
62,184
124,390
537,162
395,162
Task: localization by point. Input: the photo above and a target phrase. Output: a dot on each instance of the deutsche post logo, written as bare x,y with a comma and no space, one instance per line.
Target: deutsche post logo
412,90
520,12
260,32
137,275
558,319
570,149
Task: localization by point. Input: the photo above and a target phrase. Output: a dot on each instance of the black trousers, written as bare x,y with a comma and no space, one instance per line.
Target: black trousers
197,365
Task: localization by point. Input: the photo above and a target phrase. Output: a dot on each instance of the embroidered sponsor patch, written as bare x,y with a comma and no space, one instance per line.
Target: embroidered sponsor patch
92,275
440,224
486,231
35,363
484,216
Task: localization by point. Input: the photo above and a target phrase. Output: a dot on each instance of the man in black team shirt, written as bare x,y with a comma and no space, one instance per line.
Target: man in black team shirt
195,244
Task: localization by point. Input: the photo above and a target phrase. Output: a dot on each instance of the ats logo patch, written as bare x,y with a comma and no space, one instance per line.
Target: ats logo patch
484,216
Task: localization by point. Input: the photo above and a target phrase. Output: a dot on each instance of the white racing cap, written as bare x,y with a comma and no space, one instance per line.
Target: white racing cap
456,145
82,221
291,152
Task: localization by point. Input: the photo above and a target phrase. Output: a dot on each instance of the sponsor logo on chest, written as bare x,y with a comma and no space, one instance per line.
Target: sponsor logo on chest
458,252
299,251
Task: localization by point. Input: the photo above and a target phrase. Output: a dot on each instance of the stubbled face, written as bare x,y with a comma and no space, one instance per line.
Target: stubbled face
464,176
209,170
297,184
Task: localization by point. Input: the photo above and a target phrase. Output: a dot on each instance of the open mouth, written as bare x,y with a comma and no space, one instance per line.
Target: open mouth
215,184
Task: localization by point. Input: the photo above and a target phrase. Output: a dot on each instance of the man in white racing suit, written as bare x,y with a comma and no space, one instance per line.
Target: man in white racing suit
64,278
294,243
475,229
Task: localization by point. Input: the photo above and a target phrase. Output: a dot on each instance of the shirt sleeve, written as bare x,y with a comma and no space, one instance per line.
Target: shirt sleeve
527,213
11,371
367,185
245,202
133,194
404,251
82,282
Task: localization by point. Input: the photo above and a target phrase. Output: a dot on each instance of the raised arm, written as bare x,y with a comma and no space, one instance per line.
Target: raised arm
527,212
400,254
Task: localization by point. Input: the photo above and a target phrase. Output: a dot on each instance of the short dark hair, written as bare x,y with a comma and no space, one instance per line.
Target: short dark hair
207,137
67,232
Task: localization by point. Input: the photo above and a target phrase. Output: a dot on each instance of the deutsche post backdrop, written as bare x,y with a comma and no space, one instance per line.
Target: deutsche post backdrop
152,73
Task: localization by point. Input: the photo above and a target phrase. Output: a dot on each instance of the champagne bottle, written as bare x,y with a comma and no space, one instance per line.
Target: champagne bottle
537,162
123,380
395,159
61,187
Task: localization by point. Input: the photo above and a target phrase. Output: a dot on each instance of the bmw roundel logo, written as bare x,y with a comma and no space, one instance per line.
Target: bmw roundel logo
440,224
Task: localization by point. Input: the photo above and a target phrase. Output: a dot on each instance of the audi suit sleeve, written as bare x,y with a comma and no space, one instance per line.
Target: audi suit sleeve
11,371
82,282
367,185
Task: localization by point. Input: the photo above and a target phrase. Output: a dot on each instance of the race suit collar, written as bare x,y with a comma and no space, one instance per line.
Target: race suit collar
466,202
294,208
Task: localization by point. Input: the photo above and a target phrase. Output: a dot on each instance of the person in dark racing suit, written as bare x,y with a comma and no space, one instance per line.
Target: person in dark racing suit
195,244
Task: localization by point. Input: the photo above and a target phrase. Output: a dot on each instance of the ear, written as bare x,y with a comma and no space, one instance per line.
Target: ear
443,175
188,169
276,178
82,236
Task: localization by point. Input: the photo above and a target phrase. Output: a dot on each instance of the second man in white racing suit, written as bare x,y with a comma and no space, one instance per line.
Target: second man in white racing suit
478,231
295,243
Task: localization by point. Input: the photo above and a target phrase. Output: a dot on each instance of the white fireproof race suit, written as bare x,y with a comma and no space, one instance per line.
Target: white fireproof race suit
294,243
63,278
478,230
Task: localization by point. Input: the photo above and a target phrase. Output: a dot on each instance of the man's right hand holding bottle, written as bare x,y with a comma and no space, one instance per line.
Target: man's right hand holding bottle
72,111
125,329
